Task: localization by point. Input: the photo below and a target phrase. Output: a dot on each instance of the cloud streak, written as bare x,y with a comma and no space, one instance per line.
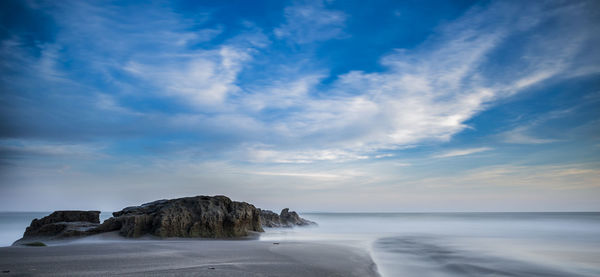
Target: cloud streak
311,21
462,152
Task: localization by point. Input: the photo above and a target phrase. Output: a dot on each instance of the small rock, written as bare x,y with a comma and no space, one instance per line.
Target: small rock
286,218
291,218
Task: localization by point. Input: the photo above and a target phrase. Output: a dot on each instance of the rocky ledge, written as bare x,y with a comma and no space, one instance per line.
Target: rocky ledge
286,218
199,216
63,224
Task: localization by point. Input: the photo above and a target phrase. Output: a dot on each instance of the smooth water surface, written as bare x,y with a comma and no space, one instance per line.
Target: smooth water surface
464,244
438,244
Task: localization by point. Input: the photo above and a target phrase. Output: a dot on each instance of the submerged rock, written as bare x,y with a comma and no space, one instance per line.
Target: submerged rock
200,216
286,218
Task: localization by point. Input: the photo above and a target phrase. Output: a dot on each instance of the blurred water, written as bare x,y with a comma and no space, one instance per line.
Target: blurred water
463,244
13,224
438,244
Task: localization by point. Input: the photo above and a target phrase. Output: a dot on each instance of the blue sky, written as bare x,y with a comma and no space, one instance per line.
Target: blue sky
315,105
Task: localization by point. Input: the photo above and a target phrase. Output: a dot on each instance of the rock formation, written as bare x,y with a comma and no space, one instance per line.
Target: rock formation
199,216
269,219
63,224
284,219
292,219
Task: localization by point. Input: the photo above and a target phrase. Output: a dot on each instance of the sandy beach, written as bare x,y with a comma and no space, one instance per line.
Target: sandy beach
186,258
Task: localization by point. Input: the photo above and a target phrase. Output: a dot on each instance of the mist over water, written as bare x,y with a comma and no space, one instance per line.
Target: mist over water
438,244
464,244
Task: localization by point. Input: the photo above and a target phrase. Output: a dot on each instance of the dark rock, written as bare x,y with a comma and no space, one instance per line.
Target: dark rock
200,216
111,224
269,219
284,219
63,224
290,219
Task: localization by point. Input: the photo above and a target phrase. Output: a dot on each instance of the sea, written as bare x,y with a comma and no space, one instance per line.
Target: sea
463,244
438,244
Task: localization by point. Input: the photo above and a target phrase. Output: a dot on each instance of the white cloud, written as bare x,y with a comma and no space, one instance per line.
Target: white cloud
521,135
108,102
530,132
168,54
311,21
20,148
291,128
424,95
281,94
199,36
540,177
535,78
310,175
202,79
462,152
266,155
427,94
428,99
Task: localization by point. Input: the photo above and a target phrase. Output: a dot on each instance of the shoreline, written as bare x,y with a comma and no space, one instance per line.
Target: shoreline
176,257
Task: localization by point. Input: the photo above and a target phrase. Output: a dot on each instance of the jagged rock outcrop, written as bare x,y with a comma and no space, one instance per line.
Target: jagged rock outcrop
200,216
292,219
63,224
286,218
269,219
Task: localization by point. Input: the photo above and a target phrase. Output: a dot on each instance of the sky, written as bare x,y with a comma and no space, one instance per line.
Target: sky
342,106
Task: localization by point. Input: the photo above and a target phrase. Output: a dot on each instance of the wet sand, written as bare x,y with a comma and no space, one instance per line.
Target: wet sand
186,258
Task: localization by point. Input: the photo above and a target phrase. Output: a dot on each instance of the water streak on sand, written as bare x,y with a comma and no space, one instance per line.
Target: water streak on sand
419,255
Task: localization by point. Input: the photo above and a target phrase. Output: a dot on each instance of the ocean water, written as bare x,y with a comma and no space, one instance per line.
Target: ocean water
463,244
438,244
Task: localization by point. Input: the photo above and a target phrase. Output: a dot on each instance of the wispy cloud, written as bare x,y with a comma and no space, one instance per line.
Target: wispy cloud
266,155
311,175
203,79
422,95
20,149
529,132
311,21
213,103
462,152
522,135
193,75
533,177
427,94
